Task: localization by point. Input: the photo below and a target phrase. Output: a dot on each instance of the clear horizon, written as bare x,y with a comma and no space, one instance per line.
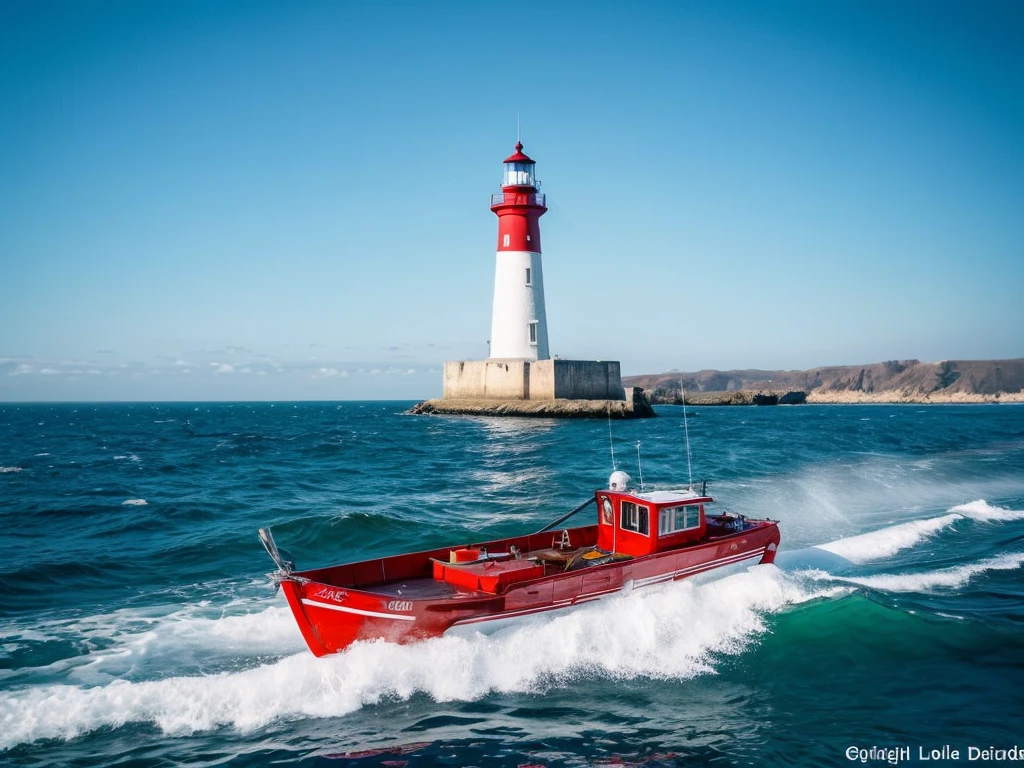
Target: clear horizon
273,203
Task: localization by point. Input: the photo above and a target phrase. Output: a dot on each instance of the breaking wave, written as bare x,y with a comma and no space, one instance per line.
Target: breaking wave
885,542
982,511
945,578
649,634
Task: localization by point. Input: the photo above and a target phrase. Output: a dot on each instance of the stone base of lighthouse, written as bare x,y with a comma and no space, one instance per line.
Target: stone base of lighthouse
549,388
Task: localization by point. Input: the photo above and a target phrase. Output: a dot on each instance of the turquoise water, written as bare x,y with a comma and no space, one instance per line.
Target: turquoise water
137,626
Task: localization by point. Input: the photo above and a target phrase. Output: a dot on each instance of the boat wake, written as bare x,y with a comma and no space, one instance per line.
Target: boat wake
131,644
130,667
646,634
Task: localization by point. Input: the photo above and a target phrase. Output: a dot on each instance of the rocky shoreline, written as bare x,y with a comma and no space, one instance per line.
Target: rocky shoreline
892,381
635,406
841,397
894,397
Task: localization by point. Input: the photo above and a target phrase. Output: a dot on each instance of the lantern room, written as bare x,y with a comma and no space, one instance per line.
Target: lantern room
519,170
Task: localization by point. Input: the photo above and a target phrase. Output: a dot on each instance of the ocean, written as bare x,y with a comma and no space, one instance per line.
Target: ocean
138,627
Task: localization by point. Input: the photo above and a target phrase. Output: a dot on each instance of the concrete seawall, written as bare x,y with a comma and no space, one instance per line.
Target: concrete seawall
515,379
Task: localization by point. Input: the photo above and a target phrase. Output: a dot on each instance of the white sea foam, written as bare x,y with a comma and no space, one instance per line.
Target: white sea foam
134,503
982,511
676,631
130,642
865,493
886,542
269,631
6,470
945,578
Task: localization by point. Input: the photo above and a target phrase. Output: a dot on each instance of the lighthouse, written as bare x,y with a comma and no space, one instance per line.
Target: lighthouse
519,377
519,328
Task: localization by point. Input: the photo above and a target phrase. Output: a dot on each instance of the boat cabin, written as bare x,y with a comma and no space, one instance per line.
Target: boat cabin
638,523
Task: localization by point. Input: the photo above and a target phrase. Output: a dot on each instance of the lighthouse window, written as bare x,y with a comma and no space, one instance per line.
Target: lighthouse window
533,333
682,518
633,517
518,175
506,240
528,281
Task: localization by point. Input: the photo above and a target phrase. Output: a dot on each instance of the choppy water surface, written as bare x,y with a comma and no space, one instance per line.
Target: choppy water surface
137,626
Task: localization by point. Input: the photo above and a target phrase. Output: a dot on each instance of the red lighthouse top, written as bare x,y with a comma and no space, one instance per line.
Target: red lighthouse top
519,205
519,157
519,172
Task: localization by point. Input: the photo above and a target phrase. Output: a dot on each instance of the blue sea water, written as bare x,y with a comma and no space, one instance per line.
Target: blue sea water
137,626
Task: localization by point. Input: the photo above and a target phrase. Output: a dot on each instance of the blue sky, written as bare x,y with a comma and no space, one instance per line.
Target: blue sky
271,200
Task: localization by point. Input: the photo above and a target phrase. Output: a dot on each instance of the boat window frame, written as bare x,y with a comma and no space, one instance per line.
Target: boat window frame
641,513
674,512
607,516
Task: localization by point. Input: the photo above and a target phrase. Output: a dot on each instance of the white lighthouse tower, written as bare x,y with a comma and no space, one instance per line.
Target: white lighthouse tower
519,327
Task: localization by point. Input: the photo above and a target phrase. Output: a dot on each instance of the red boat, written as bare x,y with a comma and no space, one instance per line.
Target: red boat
640,539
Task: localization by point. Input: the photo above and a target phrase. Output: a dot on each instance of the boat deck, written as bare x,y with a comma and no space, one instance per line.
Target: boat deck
552,559
428,588
419,589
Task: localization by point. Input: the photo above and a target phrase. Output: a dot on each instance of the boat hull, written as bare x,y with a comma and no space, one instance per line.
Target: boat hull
415,607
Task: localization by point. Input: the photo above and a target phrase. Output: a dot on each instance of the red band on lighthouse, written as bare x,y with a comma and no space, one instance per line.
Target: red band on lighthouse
519,205
518,225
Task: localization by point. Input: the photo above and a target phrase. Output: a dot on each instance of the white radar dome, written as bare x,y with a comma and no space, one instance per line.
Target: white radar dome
619,481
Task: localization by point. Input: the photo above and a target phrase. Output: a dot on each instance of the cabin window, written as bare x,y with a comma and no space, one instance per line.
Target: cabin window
633,517
533,333
682,518
607,515
528,281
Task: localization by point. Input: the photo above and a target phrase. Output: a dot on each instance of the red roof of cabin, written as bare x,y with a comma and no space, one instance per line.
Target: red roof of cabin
519,157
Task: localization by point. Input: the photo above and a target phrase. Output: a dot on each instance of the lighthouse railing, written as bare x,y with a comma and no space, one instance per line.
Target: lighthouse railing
516,198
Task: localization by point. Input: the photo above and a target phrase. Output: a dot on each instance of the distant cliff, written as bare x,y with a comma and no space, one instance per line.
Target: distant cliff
894,381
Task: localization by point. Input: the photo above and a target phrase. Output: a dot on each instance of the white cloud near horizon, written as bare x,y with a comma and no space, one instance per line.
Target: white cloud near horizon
178,378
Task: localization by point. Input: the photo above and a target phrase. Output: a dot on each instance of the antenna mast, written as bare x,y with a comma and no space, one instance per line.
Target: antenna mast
611,444
686,428
639,467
